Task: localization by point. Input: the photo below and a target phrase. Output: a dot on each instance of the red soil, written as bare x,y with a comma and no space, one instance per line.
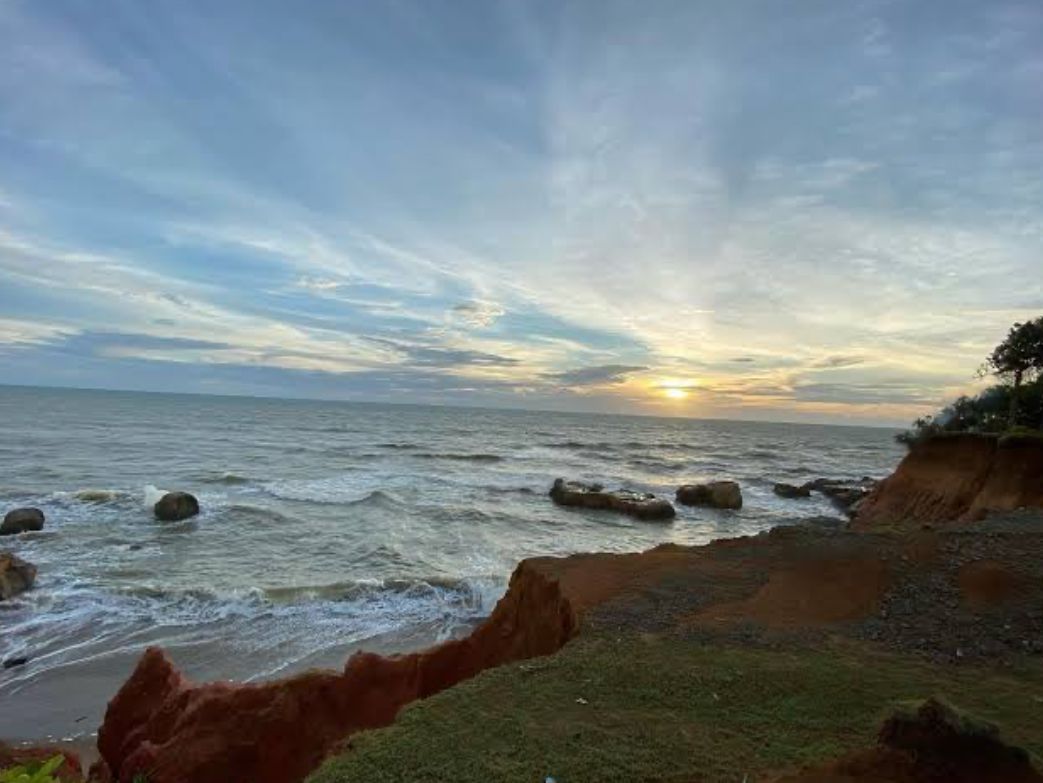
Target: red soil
812,593
987,583
957,479
177,731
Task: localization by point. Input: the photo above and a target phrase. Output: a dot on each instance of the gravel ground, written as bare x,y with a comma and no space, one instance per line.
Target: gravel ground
923,609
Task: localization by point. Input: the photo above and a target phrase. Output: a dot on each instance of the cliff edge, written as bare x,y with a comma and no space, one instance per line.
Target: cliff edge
956,480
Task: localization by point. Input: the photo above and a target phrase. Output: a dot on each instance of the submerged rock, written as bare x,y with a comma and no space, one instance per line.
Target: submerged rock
175,506
716,494
16,575
22,520
792,491
642,505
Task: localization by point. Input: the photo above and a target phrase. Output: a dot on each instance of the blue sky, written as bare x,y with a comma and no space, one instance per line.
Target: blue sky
803,211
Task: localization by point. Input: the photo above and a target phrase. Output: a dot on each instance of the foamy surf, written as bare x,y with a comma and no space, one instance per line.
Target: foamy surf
152,495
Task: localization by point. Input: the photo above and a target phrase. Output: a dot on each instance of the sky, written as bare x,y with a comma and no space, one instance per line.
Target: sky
813,211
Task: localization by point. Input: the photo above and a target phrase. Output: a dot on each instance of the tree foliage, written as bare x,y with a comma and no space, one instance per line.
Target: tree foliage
1016,403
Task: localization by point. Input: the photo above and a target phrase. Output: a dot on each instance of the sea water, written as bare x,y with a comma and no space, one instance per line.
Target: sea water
329,527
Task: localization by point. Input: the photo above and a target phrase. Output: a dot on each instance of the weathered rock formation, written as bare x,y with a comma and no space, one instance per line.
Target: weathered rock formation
642,505
16,575
22,520
716,494
957,479
175,506
792,491
929,743
175,731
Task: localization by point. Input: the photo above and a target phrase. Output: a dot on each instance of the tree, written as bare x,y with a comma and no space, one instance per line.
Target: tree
1017,359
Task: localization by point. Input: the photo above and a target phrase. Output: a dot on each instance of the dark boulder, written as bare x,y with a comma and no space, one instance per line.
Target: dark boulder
792,491
16,575
955,746
642,505
22,520
175,506
846,495
716,494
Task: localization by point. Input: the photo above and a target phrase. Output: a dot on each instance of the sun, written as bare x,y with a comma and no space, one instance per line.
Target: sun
675,393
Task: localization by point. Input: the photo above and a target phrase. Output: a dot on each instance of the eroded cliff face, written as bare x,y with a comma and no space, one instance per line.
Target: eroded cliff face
175,731
957,479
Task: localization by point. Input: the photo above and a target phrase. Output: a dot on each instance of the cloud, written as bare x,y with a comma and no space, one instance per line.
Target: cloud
490,226
317,283
429,356
477,314
16,332
862,393
837,362
605,374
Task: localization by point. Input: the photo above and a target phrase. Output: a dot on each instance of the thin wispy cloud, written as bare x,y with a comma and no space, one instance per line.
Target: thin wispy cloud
788,213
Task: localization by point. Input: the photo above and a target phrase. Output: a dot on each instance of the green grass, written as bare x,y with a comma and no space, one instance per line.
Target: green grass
669,710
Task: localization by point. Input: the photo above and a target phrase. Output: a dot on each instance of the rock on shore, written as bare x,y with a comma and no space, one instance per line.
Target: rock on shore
642,505
16,575
22,520
716,494
175,506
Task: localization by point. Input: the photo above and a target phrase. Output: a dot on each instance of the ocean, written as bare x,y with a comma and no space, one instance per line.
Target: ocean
329,527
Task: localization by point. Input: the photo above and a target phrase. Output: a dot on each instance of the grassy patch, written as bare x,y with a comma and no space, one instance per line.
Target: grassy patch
646,709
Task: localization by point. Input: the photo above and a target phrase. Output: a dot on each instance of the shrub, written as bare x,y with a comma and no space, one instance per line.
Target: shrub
38,772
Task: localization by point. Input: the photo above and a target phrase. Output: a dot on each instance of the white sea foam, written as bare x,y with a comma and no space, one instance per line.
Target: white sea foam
152,495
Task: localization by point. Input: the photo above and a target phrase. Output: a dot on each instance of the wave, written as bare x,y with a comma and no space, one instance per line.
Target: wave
511,490
655,464
152,495
336,490
460,457
476,595
376,498
228,478
94,496
398,446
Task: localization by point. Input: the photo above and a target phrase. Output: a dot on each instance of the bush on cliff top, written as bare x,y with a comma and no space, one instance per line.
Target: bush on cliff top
39,772
987,412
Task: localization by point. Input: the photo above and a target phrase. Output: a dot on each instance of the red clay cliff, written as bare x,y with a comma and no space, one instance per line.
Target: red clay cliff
175,731
957,479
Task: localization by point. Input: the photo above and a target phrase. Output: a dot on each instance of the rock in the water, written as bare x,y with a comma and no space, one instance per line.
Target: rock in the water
844,494
22,520
175,506
14,663
717,494
16,575
792,491
642,505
